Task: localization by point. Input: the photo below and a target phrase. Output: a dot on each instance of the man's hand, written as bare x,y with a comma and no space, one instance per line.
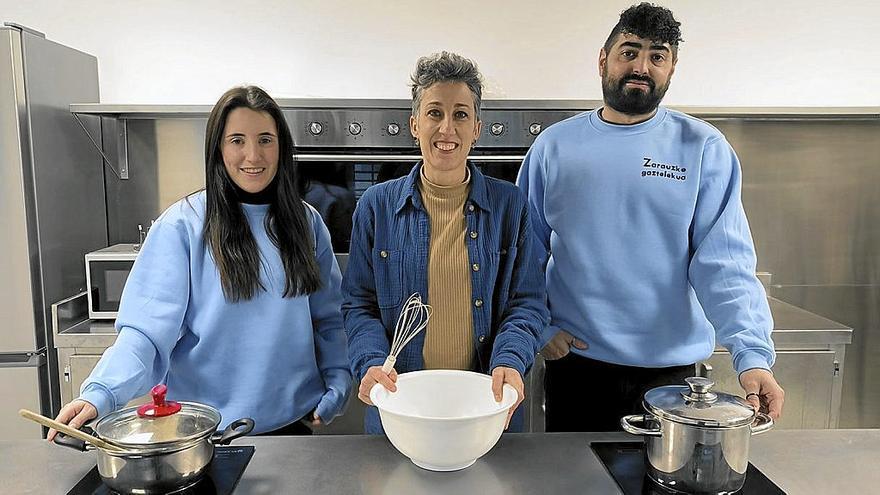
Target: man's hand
762,391
376,375
502,375
560,345
316,421
74,414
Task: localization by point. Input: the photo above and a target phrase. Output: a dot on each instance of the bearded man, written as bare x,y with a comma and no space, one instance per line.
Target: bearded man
650,260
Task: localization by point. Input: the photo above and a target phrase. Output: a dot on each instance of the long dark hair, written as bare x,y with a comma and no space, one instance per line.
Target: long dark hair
227,232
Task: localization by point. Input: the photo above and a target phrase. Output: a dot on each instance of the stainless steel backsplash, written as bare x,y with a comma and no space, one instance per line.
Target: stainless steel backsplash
812,194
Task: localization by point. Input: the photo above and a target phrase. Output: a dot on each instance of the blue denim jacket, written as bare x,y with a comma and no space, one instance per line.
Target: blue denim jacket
388,261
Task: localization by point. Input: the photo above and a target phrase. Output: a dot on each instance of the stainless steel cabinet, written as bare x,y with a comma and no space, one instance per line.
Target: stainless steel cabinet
808,378
810,351
79,341
75,365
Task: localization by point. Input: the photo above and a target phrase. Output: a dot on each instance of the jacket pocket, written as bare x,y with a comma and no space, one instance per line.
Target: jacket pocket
504,260
388,273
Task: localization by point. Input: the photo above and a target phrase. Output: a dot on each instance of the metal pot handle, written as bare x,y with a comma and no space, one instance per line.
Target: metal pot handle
761,424
236,429
626,423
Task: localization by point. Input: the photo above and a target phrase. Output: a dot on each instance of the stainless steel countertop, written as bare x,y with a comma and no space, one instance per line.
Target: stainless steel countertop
791,326
794,325
88,333
799,461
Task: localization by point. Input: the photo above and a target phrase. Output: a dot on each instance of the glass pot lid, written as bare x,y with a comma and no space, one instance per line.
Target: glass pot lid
695,404
160,424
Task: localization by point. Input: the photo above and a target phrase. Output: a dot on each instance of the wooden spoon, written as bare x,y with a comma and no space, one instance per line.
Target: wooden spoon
67,430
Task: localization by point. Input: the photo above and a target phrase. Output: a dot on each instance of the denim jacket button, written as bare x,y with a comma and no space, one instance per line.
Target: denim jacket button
478,303
482,338
475,267
470,207
383,254
473,234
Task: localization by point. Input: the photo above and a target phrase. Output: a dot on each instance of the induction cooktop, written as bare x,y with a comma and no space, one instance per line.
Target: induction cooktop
626,462
221,477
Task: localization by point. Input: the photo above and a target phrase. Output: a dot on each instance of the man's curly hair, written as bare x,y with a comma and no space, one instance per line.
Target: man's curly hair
648,21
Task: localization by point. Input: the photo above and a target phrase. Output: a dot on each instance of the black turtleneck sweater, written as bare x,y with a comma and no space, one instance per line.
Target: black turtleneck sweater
264,197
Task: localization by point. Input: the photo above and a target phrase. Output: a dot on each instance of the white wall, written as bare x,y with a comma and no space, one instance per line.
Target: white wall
736,53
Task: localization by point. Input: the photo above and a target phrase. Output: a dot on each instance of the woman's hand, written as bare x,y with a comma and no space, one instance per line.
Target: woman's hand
502,375
75,414
373,376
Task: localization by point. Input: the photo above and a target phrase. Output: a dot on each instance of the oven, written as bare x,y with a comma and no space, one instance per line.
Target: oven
345,146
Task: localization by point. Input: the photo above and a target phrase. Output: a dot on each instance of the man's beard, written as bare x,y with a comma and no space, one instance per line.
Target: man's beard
632,101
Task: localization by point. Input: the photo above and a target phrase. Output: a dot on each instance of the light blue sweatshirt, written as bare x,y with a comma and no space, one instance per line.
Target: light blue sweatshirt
270,358
650,255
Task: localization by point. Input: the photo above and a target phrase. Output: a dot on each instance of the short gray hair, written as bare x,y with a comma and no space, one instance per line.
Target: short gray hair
445,67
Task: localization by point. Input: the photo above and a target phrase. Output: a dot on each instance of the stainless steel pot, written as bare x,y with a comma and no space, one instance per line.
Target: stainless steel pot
697,440
159,454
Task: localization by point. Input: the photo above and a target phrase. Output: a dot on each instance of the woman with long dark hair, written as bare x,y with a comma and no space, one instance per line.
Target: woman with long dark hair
234,300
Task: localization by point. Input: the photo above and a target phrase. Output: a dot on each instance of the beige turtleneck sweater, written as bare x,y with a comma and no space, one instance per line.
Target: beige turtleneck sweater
449,337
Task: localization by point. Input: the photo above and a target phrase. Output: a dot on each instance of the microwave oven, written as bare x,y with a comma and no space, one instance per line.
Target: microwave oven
106,272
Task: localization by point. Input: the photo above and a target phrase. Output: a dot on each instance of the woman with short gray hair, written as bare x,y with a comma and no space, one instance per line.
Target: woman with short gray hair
460,239
446,67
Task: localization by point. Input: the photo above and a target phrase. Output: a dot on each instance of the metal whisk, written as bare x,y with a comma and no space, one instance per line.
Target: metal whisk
413,319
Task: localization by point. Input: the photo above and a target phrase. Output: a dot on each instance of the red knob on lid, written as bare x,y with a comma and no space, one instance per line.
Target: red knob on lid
160,407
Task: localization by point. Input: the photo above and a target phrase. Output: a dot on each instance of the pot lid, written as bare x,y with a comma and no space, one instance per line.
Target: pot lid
130,427
695,404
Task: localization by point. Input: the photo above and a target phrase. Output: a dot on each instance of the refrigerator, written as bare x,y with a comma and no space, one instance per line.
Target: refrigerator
52,211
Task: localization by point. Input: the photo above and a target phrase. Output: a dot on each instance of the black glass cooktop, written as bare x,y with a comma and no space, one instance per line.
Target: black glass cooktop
220,479
626,463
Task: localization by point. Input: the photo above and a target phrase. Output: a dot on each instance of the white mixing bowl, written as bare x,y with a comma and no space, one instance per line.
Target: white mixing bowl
443,420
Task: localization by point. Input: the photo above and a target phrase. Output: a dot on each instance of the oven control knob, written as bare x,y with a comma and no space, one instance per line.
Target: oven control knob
354,128
393,129
316,128
535,129
496,129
